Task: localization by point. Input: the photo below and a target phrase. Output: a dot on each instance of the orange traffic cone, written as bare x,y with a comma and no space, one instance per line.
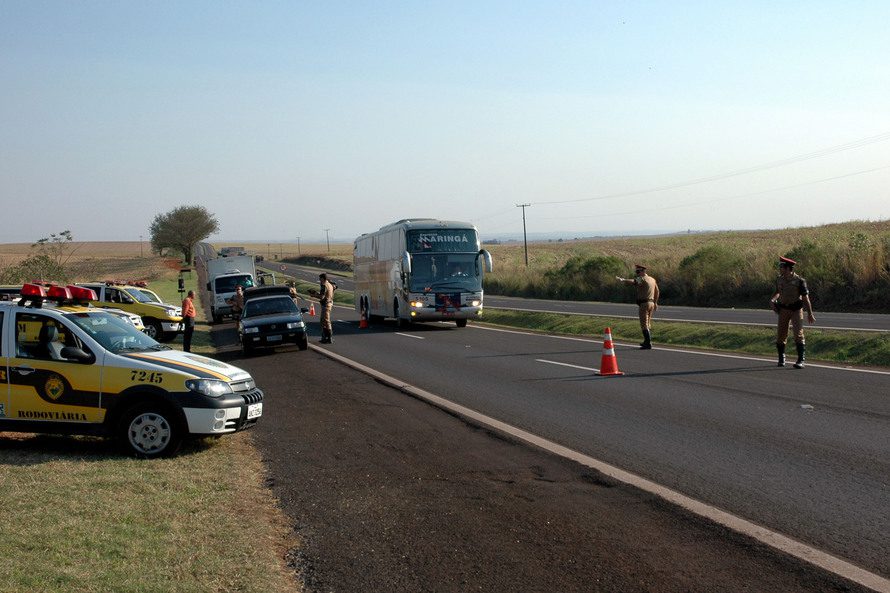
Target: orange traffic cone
363,321
312,309
609,364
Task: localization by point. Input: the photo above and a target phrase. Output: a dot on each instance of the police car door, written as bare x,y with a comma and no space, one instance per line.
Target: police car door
4,370
44,386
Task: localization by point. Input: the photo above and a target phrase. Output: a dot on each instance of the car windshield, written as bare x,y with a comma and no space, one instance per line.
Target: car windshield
141,296
270,306
446,271
228,283
114,333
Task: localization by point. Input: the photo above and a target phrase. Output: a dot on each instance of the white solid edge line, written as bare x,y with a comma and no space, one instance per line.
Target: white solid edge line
682,351
659,318
409,336
762,534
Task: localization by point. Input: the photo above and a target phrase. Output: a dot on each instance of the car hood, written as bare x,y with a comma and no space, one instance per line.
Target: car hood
195,364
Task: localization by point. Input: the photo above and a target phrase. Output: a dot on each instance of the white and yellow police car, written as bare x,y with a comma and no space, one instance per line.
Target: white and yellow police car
73,369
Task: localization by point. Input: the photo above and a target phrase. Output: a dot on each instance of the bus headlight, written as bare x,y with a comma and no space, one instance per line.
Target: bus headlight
474,303
417,304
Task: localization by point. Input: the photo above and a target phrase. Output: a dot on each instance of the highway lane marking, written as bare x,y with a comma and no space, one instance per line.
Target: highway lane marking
410,336
682,351
659,318
565,364
776,540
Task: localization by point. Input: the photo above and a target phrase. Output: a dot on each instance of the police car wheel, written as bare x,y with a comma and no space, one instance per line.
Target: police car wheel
461,322
154,330
149,431
303,343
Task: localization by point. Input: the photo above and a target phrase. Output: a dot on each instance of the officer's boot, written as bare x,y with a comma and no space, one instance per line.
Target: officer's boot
330,336
781,348
324,336
801,351
647,340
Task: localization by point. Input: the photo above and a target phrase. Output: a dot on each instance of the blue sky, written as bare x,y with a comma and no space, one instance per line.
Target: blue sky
288,118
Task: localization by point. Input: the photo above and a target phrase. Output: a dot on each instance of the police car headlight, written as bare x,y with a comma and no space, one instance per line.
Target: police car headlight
209,387
294,324
251,330
474,303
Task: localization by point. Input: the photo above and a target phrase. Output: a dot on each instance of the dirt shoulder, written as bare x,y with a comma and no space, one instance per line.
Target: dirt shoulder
387,493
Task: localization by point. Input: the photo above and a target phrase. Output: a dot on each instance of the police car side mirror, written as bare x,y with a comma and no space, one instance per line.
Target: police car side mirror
76,354
304,309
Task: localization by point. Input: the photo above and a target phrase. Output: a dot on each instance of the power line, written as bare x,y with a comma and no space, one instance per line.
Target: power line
717,200
772,165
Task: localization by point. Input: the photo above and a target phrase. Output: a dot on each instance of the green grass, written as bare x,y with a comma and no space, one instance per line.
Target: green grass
88,520
846,347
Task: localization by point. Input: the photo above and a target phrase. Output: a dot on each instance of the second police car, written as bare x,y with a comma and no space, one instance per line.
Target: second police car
71,369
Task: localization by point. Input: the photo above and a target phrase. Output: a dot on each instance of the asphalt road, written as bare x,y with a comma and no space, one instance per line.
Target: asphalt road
765,317
387,493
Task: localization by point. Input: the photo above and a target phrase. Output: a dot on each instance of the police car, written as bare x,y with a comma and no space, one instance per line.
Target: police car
73,369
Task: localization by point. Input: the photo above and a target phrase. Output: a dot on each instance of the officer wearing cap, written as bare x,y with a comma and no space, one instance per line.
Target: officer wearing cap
325,296
647,300
790,299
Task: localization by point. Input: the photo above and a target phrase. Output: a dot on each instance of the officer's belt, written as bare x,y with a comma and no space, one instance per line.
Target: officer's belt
645,301
793,307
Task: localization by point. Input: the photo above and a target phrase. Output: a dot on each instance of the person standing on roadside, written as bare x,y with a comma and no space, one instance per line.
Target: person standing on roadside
647,300
188,320
325,296
237,302
790,299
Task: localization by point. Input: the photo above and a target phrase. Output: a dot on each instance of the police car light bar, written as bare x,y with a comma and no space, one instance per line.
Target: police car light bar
58,292
79,293
33,290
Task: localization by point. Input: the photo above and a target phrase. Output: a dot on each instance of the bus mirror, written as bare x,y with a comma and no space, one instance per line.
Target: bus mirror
486,256
406,263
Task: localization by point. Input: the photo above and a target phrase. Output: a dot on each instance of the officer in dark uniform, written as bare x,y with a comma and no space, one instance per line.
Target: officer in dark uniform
790,299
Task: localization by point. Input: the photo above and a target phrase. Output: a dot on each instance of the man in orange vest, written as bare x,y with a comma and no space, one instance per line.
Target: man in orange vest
188,320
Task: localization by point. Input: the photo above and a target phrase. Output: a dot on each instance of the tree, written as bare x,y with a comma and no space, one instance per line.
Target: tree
181,228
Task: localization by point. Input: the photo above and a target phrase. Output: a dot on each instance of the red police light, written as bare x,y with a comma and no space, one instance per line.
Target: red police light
58,292
79,293
33,290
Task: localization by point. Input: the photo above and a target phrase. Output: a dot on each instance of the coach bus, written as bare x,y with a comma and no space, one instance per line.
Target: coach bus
420,269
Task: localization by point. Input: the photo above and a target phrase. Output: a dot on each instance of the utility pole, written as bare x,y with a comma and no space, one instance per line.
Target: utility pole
524,237
298,246
328,237
140,245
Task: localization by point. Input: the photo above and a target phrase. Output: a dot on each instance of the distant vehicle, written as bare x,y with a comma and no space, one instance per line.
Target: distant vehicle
420,270
223,275
271,318
232,251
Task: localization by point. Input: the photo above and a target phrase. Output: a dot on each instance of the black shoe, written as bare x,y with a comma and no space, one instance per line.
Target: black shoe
801,356
645,346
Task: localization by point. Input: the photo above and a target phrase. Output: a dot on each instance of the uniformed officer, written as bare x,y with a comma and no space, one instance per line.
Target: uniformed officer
647,300
790,299
325,296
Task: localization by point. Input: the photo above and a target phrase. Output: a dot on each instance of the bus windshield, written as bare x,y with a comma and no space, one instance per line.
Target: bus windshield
446,271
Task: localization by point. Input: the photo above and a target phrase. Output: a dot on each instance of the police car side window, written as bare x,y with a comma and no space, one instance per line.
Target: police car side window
2,335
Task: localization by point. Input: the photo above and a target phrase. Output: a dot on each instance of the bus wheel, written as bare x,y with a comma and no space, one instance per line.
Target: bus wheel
400,323
461,322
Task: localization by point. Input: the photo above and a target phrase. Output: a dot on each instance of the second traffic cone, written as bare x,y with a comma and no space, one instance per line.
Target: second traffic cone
608,363
312,309
363,321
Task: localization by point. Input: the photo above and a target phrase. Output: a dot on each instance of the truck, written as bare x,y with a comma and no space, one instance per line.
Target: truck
223,275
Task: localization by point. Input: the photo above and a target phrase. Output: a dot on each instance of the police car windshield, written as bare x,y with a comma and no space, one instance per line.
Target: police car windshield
112,332
140,296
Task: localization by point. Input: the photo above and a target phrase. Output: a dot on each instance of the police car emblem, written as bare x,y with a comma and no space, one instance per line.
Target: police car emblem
54,386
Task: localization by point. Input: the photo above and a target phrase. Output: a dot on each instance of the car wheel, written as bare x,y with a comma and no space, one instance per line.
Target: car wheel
303,342
247,349
461,322
149,430
154,330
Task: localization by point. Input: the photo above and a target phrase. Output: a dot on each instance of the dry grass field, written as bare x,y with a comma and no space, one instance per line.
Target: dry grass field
100,260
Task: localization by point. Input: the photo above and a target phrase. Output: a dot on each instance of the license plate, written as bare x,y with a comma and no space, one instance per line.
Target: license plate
254,411
273,339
